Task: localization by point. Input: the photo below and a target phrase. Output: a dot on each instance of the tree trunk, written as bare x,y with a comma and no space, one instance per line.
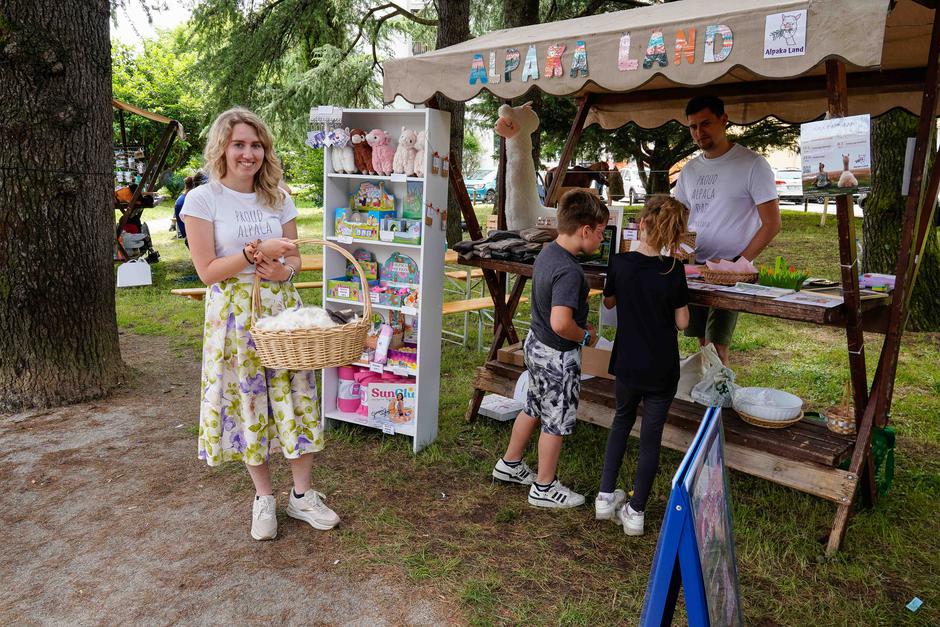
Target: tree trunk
58,331
884,214
453,27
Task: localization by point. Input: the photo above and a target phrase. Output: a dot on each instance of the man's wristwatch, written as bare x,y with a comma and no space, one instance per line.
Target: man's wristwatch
587,338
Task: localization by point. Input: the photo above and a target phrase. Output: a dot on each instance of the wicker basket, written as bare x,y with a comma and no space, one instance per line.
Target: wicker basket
769,424
727,278
688,238
840,419
312,349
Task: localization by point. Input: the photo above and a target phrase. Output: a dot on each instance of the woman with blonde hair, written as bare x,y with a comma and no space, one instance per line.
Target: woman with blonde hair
239,225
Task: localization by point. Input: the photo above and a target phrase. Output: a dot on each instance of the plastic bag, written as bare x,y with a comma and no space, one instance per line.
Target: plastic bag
717,387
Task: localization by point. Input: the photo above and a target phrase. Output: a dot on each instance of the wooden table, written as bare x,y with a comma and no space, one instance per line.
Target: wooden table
804,456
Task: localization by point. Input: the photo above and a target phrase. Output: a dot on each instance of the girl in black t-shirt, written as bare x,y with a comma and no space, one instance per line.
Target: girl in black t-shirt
651,296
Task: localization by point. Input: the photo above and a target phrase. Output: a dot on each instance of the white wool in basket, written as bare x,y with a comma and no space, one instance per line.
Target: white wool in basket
294,319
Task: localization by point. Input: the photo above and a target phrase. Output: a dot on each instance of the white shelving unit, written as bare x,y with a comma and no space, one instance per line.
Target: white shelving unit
429,257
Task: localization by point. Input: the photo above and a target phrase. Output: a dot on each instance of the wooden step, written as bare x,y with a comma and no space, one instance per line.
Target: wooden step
472,304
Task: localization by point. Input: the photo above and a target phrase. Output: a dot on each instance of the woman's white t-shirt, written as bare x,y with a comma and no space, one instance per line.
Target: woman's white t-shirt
237,218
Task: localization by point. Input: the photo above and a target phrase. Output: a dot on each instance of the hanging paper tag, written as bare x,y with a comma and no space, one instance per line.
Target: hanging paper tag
409,311
388,428
435,163
429,216
376,367
444,220
445,167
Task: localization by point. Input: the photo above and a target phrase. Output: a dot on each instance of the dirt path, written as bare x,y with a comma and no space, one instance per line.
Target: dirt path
111,519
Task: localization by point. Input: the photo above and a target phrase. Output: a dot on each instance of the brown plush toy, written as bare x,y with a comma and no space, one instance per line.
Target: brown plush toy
362,151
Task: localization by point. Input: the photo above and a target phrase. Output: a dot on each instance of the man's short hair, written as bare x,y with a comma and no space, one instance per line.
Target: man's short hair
712,103
579,208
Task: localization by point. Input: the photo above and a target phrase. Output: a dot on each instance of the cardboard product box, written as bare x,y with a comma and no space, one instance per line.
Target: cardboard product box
596,361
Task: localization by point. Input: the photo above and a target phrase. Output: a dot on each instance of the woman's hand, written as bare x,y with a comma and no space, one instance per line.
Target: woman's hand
277,247
271,269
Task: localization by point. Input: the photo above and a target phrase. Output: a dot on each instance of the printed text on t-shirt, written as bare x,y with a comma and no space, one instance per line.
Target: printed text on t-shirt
252,224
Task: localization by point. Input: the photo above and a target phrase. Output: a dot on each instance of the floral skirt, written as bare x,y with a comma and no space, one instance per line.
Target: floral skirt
249,411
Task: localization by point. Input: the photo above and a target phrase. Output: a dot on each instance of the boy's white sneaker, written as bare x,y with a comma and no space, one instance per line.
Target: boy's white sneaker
263,518
311,508
520,474
556,496
632,520
607,509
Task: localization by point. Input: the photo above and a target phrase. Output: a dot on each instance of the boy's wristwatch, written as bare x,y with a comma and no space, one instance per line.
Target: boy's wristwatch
587,338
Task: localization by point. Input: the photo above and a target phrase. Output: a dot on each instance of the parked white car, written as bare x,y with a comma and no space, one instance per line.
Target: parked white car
789,184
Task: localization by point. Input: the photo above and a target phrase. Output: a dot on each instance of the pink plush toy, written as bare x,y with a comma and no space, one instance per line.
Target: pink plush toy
383,155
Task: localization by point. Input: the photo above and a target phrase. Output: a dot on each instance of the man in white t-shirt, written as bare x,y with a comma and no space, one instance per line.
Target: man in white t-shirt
732,200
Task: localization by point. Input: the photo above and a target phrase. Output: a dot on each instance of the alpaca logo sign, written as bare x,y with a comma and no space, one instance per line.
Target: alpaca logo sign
785,35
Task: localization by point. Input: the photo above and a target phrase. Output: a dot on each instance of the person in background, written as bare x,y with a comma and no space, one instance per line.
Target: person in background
180,224
734,210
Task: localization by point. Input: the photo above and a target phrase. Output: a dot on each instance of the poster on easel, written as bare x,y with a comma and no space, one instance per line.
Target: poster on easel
836,156
696,542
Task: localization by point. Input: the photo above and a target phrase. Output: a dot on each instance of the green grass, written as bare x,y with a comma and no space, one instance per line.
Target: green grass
436,519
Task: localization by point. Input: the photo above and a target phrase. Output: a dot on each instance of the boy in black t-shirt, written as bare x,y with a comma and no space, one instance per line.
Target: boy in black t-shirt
651,296
553,351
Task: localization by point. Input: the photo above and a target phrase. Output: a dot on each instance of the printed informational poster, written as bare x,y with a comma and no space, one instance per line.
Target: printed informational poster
836,156
785,35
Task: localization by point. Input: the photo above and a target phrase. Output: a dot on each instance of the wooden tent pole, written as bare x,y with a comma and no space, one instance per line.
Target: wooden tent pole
163,149
501,180
577,127
913,215
883,383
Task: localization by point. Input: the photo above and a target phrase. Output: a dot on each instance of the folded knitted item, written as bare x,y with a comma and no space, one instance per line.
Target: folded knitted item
541,234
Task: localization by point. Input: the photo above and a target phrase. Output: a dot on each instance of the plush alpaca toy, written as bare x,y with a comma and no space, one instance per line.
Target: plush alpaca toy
405,155
523,206
362,152
420,154
344,160
383,155
847,179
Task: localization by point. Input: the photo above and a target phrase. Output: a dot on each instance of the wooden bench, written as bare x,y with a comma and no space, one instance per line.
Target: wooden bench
473,304
198,293
462,275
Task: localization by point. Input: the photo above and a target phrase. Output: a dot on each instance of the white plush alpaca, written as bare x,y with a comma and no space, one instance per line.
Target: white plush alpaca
420,154
341,151
523,207
404,162
847,179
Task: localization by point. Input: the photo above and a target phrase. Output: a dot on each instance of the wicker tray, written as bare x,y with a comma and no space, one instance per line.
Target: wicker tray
769,424
312,349
727,278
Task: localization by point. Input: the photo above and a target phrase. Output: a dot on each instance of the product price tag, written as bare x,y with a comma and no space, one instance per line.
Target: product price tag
388,428
398,177
409,311
344,239
376,367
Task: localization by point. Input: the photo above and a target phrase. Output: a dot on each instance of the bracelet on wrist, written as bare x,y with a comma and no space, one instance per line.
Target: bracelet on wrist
292,271
247,258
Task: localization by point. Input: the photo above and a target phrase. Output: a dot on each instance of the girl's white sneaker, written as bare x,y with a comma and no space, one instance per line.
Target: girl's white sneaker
632,520
605,509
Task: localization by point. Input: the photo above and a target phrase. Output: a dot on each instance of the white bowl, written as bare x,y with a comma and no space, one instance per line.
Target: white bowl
767,403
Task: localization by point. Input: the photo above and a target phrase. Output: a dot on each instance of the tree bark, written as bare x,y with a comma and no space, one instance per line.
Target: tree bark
884,215
453,27
518,13
58,331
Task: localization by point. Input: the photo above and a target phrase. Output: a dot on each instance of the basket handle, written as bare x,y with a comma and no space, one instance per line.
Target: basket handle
364,292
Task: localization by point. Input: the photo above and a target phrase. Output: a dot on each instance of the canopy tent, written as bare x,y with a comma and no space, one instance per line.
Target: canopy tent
793,60
884,49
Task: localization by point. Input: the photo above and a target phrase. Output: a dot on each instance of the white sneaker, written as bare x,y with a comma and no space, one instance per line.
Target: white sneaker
556,496
520,474
311,508
632,520
263,518
607,510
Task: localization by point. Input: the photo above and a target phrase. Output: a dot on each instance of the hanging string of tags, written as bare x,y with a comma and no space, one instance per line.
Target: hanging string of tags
429,213
322,120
